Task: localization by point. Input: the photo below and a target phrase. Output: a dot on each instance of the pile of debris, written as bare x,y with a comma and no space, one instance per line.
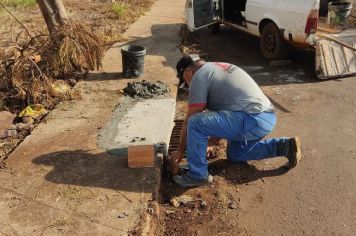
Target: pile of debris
30,69
37,72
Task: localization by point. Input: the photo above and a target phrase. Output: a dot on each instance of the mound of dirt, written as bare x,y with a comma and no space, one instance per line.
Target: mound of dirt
145,89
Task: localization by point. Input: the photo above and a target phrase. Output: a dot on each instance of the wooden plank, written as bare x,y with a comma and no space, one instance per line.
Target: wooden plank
335,57
350,58
328,30
318,69
323,66
329,66
336,54
340,60
344,62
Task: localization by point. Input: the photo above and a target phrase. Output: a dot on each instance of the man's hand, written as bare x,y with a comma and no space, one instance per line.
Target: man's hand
176,156
174,160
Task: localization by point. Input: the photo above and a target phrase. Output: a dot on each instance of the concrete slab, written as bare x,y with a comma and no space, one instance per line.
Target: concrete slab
58,181
139,122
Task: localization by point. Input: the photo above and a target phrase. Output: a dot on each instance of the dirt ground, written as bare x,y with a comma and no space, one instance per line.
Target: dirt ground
263,198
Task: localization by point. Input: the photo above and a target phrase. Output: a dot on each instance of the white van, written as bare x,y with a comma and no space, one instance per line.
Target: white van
276,22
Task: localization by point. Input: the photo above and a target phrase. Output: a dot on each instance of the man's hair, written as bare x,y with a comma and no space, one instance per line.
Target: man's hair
185,62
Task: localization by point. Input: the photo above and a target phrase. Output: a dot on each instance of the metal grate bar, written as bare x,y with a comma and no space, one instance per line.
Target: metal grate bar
175,136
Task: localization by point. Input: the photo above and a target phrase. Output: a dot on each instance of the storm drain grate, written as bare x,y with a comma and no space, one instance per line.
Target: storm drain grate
175,136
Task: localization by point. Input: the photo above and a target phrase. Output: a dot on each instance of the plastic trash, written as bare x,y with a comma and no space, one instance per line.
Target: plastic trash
35,111
60,88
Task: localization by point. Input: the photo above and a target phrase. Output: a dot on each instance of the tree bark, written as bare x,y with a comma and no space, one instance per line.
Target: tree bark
54,13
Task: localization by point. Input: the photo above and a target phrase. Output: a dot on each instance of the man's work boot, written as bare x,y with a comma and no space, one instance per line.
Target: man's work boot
173,165
294,152
185,181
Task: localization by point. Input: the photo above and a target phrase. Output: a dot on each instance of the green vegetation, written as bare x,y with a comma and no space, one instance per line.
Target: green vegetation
19,3
118,8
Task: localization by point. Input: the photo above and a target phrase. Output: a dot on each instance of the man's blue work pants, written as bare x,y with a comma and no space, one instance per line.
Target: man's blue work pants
243,132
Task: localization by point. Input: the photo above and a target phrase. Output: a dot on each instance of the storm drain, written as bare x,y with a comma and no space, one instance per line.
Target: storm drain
175,136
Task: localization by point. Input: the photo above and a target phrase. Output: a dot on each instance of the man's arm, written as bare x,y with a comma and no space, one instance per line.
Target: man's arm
177,156
183,134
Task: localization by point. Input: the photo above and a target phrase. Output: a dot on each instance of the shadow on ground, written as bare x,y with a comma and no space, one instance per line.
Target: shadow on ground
83,168
109,171
158,45
99,76
241,49
237,173
102,170
229,45
241,173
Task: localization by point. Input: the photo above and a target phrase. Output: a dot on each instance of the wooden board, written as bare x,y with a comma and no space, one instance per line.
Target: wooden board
333,60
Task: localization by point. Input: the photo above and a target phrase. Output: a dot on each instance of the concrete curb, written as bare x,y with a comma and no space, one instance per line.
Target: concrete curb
149,227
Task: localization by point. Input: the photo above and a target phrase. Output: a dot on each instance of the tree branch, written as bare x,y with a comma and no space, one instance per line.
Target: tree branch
34,63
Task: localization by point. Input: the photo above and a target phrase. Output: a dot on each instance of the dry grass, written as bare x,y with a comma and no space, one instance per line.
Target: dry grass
71,49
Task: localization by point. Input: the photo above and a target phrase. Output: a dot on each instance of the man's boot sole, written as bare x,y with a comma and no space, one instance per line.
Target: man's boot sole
296,147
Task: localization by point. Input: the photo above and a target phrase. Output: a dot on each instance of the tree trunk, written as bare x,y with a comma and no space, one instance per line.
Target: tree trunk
54,13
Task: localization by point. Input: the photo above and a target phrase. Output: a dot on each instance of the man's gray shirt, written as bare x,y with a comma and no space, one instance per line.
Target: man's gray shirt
223,86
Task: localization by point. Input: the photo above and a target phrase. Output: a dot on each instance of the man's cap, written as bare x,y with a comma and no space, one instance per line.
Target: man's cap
183,63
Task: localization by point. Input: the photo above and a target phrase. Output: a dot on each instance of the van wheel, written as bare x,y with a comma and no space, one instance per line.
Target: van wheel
215,28
272,45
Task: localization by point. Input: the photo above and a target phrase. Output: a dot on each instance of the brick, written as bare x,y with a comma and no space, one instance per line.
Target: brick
141,156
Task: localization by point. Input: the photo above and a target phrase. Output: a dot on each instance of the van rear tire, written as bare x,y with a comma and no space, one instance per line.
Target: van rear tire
215,28
272,45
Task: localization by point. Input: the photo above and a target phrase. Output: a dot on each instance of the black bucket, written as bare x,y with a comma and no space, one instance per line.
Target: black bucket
323,10
133,60
339,13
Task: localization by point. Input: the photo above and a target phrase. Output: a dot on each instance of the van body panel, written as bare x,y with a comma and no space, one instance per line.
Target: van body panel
202,13
290,16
